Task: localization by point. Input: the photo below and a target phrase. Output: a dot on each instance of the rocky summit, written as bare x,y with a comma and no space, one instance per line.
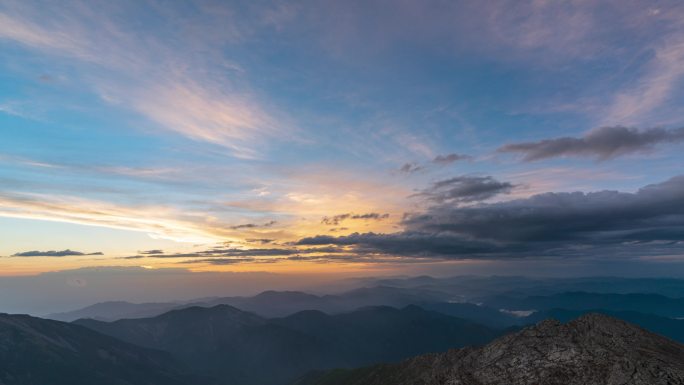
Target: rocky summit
593,349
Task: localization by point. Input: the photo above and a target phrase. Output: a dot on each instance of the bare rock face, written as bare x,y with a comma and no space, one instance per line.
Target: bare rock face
593,349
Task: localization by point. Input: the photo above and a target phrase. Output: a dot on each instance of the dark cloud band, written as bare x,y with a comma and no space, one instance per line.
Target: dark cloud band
601,143
53,253
649,222
463,189
337,219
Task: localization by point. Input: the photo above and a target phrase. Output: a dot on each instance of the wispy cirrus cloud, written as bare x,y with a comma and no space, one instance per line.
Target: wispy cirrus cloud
663,77
230,119
155,74
162,222
601,143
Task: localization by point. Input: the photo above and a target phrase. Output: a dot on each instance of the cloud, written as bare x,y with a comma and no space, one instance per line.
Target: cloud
464,189
151,252
133,257
220,261
444,160
334,220
251,252
647,222
253,225
660,82
163,77
655,212
53,253
601,143
190,109
157,221
439,160
337,219
243,253
260,240
374,216
406,243
358,258
410,168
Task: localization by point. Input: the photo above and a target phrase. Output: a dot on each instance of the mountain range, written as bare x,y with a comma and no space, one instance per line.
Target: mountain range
275,338
646,295
239,347
267,304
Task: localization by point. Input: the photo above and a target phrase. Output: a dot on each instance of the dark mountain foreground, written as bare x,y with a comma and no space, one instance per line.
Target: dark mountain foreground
35,351
238,347
591,350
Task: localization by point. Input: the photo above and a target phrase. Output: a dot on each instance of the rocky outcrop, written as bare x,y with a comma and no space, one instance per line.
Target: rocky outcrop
593,349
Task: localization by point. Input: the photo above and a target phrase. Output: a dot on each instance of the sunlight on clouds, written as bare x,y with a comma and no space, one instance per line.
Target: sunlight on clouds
665,73
239,126
156,77
233,121
295,207
156,221
31,34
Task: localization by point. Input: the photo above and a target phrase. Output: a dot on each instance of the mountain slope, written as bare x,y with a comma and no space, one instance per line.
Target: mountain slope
591,350
243,348
384,333
35,351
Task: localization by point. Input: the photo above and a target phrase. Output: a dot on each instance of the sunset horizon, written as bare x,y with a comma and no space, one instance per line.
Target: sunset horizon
242,192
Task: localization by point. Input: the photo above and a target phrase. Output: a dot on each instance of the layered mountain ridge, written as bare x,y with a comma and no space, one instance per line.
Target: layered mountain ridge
238,347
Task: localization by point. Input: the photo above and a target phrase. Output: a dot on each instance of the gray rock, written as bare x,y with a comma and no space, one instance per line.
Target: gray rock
591,350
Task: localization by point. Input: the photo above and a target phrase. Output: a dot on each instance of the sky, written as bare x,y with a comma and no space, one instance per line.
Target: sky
341,138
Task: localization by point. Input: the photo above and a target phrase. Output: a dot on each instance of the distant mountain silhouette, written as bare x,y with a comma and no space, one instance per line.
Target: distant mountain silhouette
638,302
115,310
477,313
513,293
591,350
35,351
266,304
239,347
